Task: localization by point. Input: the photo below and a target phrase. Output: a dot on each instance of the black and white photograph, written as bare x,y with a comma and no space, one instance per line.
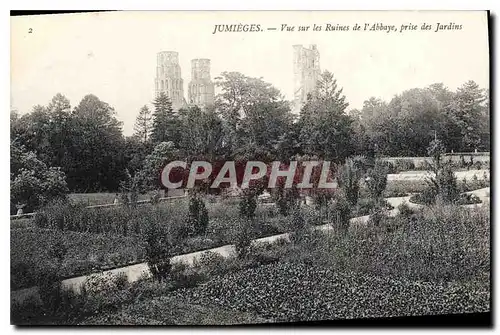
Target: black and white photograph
215,168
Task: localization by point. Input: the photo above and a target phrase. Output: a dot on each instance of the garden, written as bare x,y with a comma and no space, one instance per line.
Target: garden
434,259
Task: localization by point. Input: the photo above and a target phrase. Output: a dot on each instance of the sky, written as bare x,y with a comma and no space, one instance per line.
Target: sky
113,55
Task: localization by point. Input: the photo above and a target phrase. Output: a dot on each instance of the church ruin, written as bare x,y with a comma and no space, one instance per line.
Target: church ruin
201,91
306,73
168,78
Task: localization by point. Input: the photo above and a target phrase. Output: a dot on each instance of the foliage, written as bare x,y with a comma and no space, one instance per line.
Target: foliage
243,239
165,121
348,180
198,215
143,124
325,128
376,180
340,212
148,178
33,184
286,199
272,292
158,251
248,204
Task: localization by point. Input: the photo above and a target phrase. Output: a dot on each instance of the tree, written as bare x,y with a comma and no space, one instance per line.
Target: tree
135,153
326,129
444,182
202,134
377,180
262,129
348,181
32,183
254,114
149,176
165,123
468,109
96,152
143,124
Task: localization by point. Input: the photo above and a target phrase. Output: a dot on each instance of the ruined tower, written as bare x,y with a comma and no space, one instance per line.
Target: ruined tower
169,79
201,88
306,72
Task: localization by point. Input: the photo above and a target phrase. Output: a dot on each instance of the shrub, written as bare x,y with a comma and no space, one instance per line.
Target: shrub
468,199
243,241
427,197
376,180
340,212
377,216
405,210
447,185
32,183
248,204
198,215
285,198
212,263
298,226
185,276
348,180
404,165
158,252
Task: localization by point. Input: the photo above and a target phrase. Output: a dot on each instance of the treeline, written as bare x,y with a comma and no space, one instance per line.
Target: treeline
249,120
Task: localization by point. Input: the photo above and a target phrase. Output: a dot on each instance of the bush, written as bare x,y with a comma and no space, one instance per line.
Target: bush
198,215
376,180
427,197
286,199
298,226
468,199
340,212
185,276
404,165
447,185
405,210
348,180
32,183
248,204
243,241
158,252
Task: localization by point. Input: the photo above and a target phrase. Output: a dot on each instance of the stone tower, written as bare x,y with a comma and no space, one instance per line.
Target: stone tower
306,73
201,88
169,79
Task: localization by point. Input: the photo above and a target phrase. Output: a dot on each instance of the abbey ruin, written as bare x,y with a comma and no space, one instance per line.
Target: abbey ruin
306,72
201,89
169,80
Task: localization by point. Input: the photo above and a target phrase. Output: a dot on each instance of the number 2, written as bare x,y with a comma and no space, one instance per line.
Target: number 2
30,30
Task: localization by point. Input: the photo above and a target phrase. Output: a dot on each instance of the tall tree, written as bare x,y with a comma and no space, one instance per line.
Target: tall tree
143,124
97,150
326,129
468,110
60,137
202,134
254,113
165,121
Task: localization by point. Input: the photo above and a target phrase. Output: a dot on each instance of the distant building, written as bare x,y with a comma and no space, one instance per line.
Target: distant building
201,91
168,78
306,71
